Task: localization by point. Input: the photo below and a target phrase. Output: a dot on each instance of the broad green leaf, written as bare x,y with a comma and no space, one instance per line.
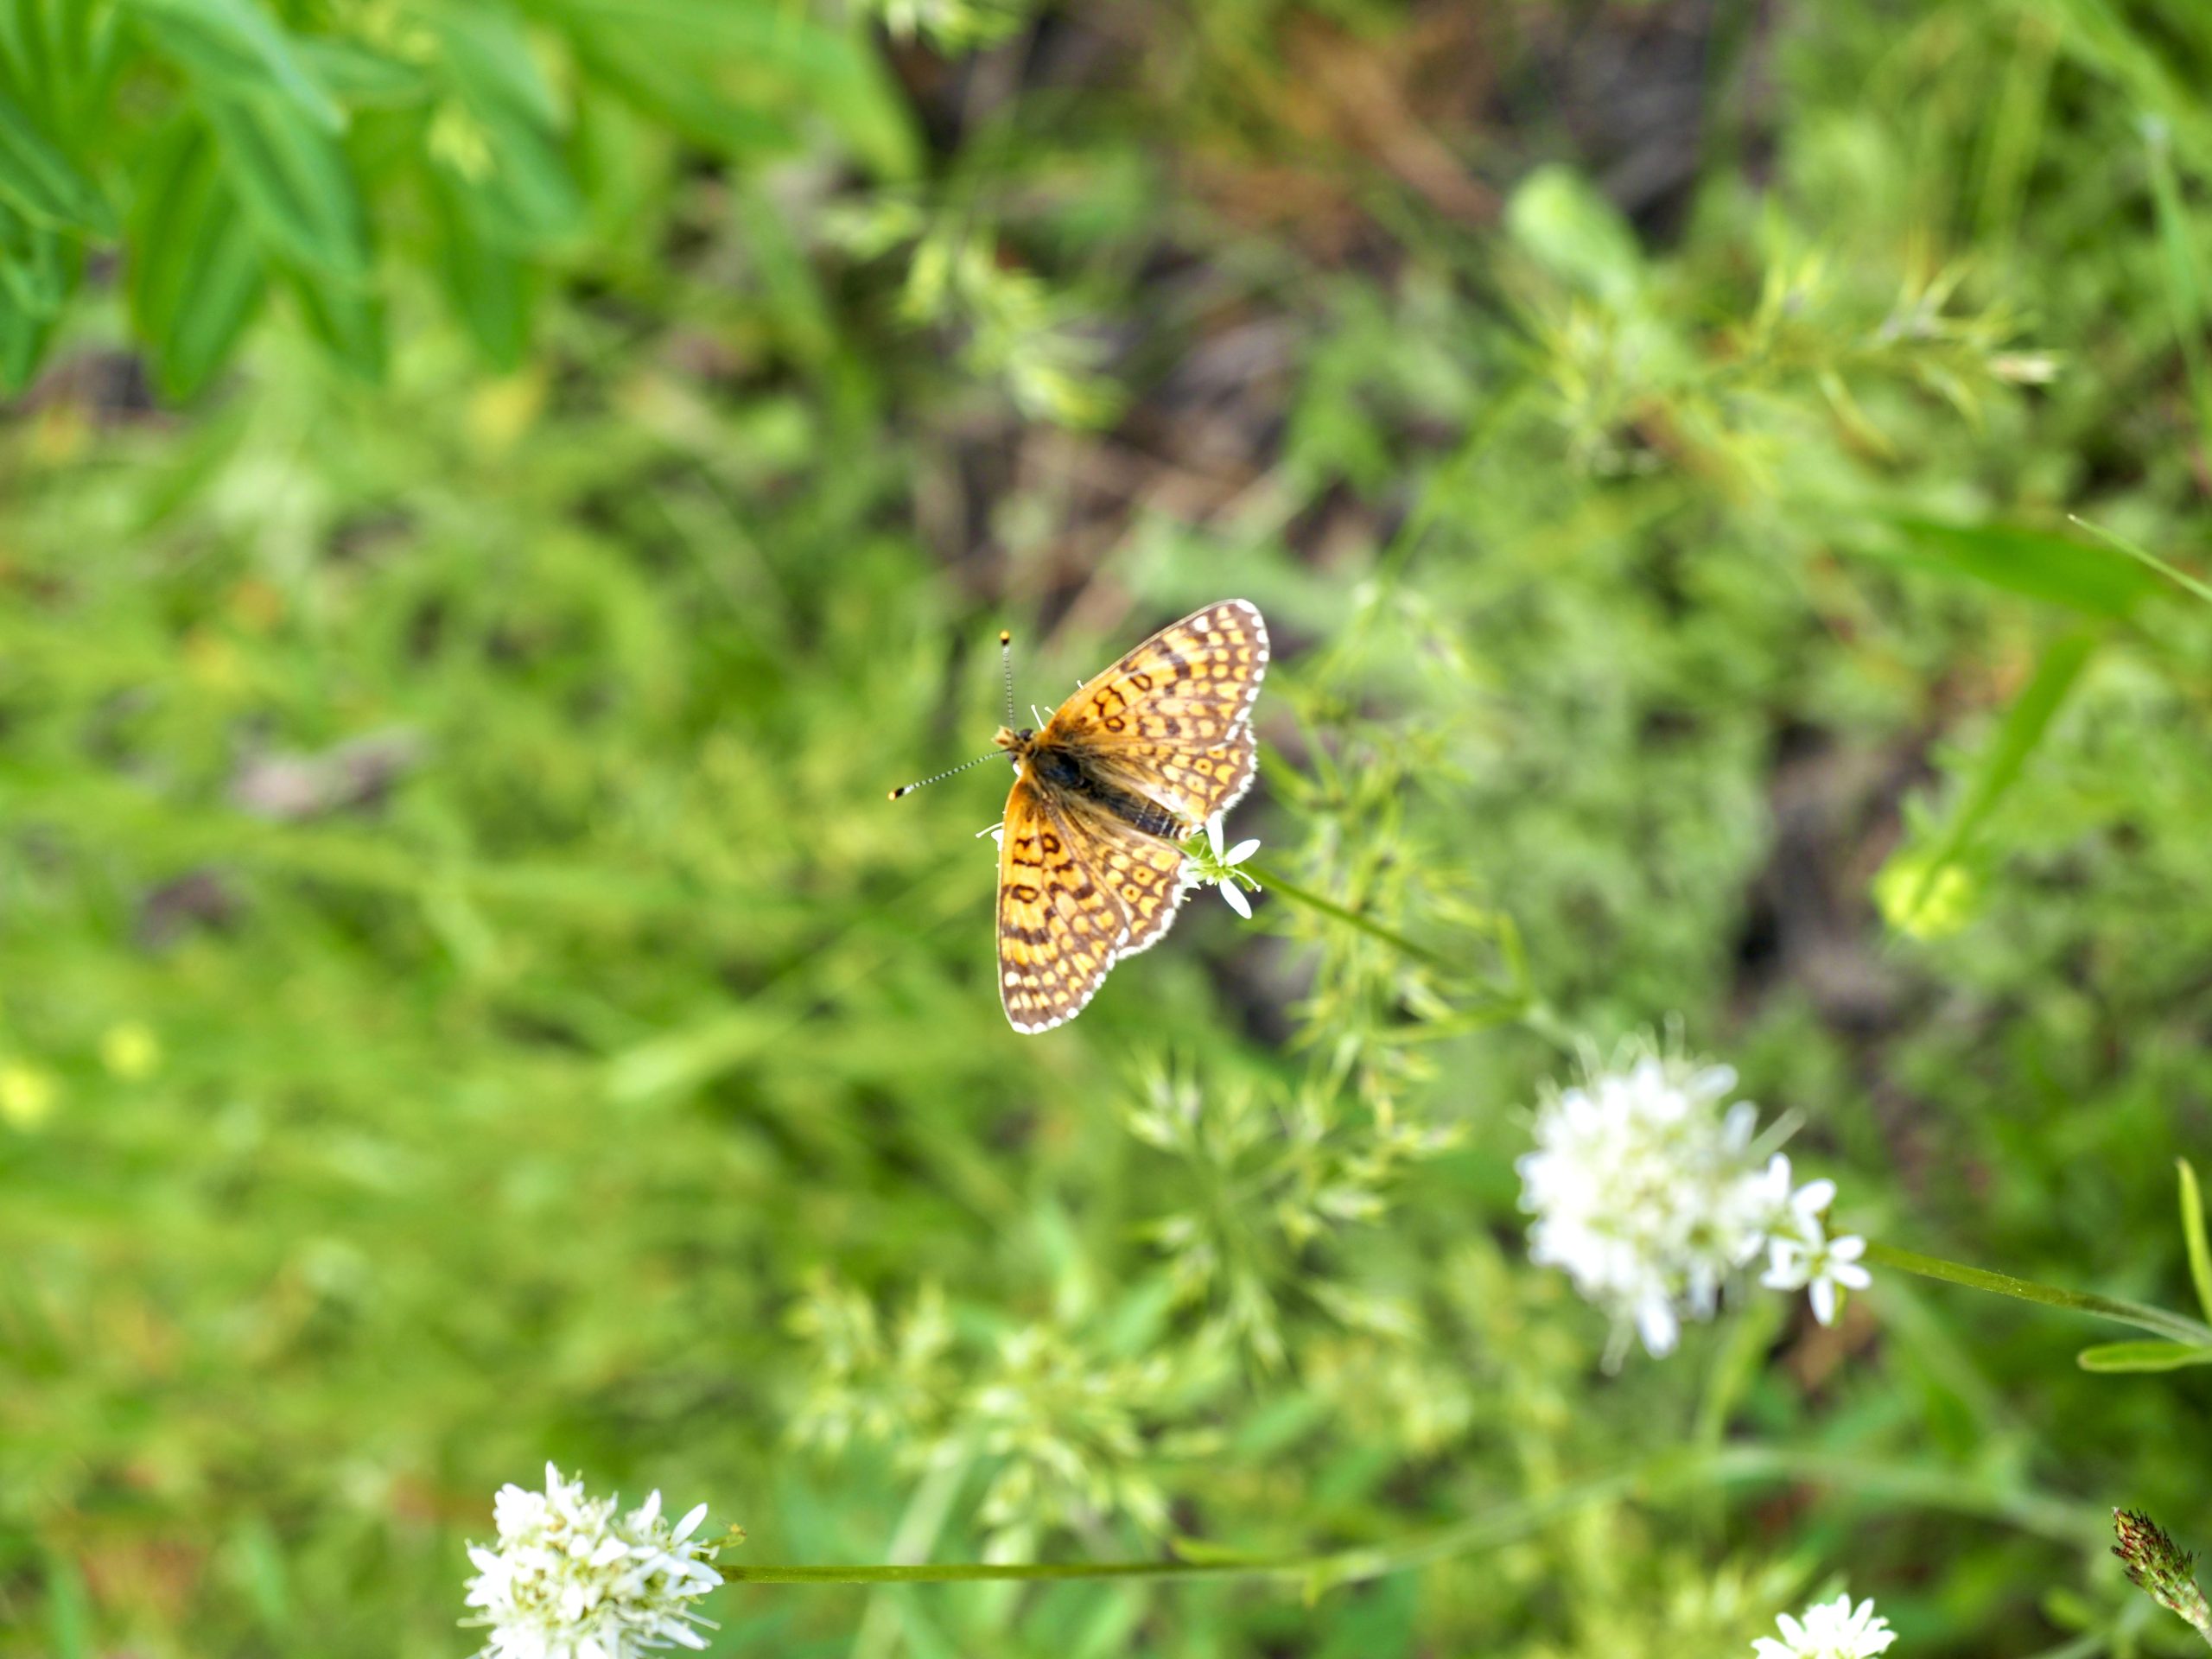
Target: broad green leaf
2033,563
2143,1356
236,46
363,77
58,60
492,291
2192,1232
41,182
520,182
196,276
346,317
294,183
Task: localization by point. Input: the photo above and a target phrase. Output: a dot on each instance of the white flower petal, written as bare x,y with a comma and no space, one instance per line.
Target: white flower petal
1822,1292
1240,852
1233,896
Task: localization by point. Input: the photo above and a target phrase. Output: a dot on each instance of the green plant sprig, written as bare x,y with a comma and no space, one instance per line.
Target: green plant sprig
1656,1478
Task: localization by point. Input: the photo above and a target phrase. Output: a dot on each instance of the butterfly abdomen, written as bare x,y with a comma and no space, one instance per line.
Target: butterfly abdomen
1057,769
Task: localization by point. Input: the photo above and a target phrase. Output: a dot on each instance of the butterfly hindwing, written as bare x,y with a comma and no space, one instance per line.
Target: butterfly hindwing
1059,930
1144,873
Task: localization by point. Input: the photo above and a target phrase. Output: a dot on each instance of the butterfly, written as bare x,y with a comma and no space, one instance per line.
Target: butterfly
1090,855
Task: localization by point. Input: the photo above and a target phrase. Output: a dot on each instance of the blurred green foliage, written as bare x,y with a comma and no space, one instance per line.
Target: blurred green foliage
464,999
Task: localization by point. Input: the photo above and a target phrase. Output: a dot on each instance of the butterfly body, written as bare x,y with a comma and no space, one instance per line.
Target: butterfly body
1055,768
1104,794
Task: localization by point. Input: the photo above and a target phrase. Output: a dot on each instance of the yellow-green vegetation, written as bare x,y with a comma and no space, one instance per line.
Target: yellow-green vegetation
491,496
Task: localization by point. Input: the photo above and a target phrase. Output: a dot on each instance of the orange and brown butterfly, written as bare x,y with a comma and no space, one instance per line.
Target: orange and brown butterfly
1091,854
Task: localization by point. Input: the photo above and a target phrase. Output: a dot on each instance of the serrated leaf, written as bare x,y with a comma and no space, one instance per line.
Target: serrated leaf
295,184
2143,1356
196,275
44,184
236,46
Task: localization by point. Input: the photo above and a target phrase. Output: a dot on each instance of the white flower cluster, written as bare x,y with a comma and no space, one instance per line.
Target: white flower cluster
573,1580
1830,1630
1646,1187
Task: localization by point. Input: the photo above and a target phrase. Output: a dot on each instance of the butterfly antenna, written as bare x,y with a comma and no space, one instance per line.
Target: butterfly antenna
1005,670
908,788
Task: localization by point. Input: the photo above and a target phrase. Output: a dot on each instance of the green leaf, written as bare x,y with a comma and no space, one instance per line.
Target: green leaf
2142,1357
743,66
2032,563
295,184
196,276
492,291
524,190
42,183
2185,284
24,337
2192,1232
1911,887
668,92
346,317
237,47
364,76
2144,557
1561,221
37,272
68,1609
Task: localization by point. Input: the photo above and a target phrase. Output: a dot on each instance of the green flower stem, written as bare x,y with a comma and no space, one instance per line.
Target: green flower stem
2155,1319
1653,1479
1528,1010
1366,924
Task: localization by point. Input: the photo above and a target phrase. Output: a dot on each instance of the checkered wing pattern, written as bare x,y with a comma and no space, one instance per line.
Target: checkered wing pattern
1172,720
1059,928
1143,873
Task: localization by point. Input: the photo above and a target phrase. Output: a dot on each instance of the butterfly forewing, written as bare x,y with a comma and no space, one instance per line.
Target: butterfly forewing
1059,930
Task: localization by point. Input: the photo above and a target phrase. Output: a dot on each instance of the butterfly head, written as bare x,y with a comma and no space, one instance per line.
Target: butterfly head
1017,744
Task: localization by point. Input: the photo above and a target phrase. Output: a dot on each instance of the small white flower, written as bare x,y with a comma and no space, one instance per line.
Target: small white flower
1831,1629
1818,1265
1208,866
1647,1188
573,1580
